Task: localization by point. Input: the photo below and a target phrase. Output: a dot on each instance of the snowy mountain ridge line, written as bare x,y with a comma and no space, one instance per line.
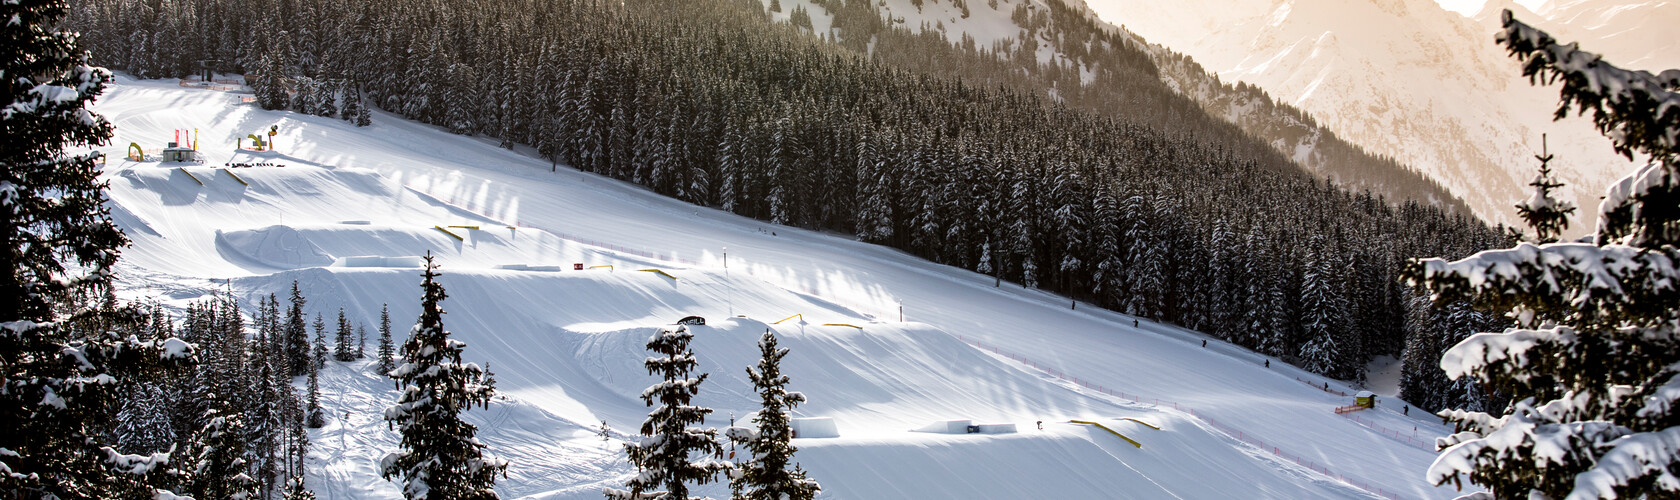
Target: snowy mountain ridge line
552,337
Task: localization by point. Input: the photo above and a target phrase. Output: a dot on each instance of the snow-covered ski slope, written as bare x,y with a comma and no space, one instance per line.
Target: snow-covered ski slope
566,346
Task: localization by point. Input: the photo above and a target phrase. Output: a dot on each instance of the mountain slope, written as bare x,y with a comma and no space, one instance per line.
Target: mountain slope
1061,50
566,345
1404,79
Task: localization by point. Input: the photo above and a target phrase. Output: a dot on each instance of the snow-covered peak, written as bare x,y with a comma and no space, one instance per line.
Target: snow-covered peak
1414,81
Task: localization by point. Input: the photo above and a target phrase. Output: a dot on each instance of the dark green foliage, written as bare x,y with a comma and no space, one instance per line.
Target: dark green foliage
295,339
386,353
343,349
440,457
217,467
766,475
663,454
66,347
1547,216
1593,363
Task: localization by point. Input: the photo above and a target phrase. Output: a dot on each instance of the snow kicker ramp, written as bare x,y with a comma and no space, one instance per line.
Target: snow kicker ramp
301,216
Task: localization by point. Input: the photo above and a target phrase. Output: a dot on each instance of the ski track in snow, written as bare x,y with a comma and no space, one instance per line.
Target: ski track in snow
566,346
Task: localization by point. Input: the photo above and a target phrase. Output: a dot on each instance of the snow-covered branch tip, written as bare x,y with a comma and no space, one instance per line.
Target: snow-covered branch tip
1639,111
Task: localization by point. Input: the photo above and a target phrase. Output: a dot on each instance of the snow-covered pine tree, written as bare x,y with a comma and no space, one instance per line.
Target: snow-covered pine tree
1593,363
315,417
326,97
60,376
318,355
361,341
269,82
662,455
302,99
266,427
217,466
1146,272
343,350
295,489
352,100
874,219
766,474
364,114
143,424
1324,313
458,100
1547,215
296,336
440,458
387,360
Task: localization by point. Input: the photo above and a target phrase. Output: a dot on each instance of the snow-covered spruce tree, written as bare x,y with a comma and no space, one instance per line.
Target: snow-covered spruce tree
60,373
266,425
343,350
1593,364
1548,215
315,417
662,455
364,114
1324,311
216,466
766,476
318,356
386,355
440,457
296,337
143,425
295,489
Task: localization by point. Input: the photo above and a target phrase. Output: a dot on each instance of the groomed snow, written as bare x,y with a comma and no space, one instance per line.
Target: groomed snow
566,346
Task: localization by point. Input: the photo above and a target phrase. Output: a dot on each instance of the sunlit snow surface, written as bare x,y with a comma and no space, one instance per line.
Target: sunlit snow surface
566,346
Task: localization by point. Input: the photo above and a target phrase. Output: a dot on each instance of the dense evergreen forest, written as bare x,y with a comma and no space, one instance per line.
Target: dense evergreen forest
1130,197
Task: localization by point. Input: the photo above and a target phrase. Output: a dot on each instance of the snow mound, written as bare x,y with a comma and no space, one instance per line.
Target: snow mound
277,246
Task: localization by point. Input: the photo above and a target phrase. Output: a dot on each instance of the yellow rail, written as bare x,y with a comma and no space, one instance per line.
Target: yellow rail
606,266
475,228
658,272
1145,424
1104,427
190,175
235,177
842,324
451,235
800,316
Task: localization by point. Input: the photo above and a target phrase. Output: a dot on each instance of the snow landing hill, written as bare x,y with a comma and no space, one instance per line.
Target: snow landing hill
351,207
1413,81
